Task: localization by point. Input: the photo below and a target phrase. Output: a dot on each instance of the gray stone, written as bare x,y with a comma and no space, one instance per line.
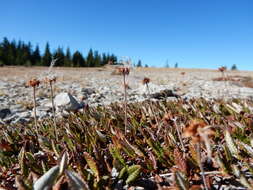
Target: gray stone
24,114
44,108
88,91
4,112
65,101
163,94
40,114
20,120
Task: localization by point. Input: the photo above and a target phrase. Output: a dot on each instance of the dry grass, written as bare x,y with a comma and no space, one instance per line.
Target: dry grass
243,81
78,74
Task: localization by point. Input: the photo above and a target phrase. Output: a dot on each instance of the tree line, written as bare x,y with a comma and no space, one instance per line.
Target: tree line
21,53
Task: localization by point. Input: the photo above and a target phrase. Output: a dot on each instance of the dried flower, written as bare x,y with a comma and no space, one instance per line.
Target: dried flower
33,82
222,69
50,79
146,80
197,129
182,73
124,70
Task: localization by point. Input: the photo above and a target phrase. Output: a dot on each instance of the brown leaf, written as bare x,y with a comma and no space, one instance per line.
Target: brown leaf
20,183
60,184
180,161
153,159
5,146
195,187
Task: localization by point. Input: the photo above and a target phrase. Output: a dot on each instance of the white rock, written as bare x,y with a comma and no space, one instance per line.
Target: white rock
24,114
40,114
65,101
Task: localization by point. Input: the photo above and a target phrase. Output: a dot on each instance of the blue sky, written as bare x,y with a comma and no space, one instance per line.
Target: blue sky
194,33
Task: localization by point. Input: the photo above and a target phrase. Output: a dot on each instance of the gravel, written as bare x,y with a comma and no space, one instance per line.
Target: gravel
96,87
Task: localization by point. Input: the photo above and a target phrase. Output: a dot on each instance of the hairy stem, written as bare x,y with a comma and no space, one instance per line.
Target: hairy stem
201,166
179,136
34,110
125,101
53,108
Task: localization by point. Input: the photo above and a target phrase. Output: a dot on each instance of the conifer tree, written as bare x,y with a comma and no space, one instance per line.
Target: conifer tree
67,59
20,53
78,60
47,57
234,67
59,55
36,58
90,59
176,65
139,64
97,59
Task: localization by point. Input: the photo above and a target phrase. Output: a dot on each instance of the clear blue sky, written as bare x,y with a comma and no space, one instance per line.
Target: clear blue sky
194,33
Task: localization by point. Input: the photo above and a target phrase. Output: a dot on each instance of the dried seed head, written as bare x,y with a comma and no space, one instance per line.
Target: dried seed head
33,82
50,79
198,130
145,80
182,73
124,70
192,129
222,69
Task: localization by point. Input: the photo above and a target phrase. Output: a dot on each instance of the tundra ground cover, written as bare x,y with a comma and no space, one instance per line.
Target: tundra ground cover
101,156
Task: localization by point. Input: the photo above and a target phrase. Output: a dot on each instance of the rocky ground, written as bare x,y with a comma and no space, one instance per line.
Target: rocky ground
76,87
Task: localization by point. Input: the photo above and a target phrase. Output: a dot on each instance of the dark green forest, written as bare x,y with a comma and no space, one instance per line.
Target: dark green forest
21,53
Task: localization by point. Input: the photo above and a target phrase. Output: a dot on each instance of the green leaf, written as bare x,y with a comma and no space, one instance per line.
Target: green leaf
92,164
133,173
231,145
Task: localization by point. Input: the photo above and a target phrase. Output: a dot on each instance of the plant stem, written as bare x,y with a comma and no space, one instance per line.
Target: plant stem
34,111
125,102
151,104
201,167
53,108
179,135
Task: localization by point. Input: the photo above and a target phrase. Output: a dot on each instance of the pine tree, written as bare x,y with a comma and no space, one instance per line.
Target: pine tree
113,59
234,67
139,64
20,53
90,59
67,59
97,59
176,65
47,57
59,55
1,55
78,60
7,53
36,58
167,64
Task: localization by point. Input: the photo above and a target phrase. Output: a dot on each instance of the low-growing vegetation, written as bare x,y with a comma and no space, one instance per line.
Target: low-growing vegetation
170,145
